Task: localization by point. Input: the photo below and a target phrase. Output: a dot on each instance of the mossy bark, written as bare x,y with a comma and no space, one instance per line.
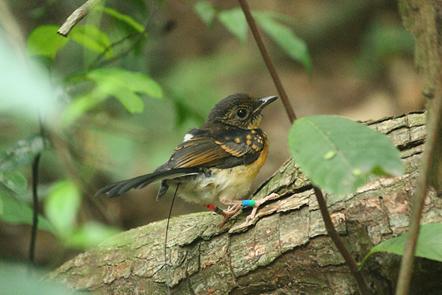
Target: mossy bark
284,250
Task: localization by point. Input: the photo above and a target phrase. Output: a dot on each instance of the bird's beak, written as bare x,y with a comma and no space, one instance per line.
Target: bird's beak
264,101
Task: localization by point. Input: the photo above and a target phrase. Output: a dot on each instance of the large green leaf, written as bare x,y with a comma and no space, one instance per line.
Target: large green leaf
92,38
205,10
123,18
18,212
22,153
90,234
61,206
429,243
282,35
340,155
124,85
234,21
45,41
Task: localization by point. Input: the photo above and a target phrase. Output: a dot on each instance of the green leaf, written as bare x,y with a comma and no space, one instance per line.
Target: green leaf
429,243
340,155
234,21
90,234
22,153
124,85
282,35
61,206
92,38
18,212
45,41
14,181
205,11
123,18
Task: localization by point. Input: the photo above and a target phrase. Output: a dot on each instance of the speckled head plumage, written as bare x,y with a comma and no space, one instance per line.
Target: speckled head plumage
239,110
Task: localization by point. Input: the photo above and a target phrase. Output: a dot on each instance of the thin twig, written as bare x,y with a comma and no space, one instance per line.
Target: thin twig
351,263
267,60
33,241
76,17
423,184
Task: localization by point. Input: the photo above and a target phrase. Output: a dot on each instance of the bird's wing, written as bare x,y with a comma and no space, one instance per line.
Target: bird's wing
221,149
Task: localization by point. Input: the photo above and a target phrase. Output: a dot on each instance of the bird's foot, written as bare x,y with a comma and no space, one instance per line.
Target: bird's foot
228,213
256,204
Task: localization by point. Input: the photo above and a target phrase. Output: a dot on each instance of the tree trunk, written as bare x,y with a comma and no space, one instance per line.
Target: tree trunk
424,20
285,250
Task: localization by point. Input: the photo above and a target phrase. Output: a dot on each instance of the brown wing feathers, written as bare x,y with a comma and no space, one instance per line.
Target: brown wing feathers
225,149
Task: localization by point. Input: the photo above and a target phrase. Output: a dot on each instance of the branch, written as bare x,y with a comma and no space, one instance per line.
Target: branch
268,61
421,19
331,231
76,17
34,228
285,248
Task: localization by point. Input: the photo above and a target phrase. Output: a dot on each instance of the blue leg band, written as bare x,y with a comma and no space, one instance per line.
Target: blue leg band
248,203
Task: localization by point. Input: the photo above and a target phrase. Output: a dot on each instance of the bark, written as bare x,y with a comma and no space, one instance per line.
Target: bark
285,250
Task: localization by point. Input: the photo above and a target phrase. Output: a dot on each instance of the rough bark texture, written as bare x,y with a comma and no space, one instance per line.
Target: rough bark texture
285,250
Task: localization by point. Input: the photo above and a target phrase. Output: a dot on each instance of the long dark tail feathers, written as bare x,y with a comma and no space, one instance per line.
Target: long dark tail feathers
121,187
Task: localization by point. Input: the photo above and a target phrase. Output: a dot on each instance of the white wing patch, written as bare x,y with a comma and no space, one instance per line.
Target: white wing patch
187,137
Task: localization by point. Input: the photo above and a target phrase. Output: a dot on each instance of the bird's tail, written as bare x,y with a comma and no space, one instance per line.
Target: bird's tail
118,188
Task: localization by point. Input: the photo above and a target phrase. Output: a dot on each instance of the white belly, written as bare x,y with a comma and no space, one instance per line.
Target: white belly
222,186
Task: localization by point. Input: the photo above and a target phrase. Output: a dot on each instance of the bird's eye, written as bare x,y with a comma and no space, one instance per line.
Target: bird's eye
242,113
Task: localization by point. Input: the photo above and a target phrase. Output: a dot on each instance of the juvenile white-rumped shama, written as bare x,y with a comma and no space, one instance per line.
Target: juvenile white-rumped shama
217,163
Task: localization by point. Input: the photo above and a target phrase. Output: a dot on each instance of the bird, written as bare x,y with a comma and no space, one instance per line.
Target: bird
216,164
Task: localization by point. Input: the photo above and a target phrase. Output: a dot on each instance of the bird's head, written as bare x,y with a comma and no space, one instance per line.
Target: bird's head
239,110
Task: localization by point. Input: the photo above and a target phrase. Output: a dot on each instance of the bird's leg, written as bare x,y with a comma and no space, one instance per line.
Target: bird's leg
255,204
233,208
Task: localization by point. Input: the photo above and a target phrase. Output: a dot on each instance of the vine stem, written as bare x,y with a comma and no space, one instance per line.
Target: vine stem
423,184
351,263
267,60
34,228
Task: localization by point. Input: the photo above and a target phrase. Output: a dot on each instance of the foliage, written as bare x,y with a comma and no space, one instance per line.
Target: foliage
72,93
15,211
20,279
285,38
38,98
45,41
126,86
206,11
124,18
429,243
235,22
340,155
61,206
22,152
381,42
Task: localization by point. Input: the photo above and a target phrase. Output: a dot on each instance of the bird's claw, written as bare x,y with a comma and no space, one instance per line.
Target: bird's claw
229,213
258,203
